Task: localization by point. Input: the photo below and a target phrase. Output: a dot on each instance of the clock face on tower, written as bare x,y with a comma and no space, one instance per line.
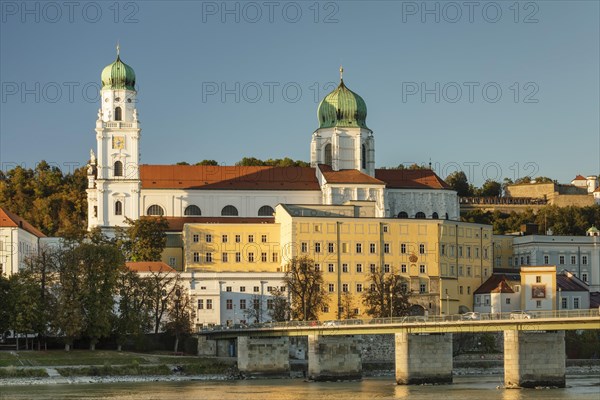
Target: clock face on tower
118,142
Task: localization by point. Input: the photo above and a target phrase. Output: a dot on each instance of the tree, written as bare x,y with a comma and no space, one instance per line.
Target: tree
207,162
348,305
281,310
160,287
22,304
69,306
277,162
490,188
458,181
181,314
133,317
253,311
305,284
144,239
4,310
386,296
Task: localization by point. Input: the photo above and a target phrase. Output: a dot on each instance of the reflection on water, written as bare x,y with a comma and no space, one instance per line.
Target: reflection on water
464,388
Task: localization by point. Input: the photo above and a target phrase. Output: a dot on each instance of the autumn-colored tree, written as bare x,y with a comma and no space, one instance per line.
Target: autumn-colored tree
144,239
386,296
305,284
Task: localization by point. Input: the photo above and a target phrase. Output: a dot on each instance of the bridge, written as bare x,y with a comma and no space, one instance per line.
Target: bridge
534,345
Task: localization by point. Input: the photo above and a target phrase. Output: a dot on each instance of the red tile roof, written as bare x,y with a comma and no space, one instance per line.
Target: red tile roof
580,178
347,176
497,283
10,220
410,179
203,177
149,266
176,223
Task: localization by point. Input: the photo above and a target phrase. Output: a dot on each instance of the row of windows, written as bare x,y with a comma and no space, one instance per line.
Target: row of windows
452,251
193,210
421,215
250,257
525,260
372,248
256,289
361,287
387,268
208,238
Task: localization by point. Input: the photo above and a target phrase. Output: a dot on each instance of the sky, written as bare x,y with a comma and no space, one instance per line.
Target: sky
494,88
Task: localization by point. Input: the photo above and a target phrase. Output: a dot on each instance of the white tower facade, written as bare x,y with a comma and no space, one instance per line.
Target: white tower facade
113,175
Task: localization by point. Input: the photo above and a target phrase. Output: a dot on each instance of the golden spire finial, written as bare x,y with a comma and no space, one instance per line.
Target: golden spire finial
341,73
118,49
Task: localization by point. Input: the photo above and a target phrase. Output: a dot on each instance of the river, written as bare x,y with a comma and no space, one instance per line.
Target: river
464,388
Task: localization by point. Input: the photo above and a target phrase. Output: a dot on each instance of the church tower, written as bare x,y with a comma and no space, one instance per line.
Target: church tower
113,174
343,140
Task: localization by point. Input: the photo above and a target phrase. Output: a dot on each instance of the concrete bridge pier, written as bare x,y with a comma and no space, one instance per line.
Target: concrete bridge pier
534,359
264,356
334,358
423,358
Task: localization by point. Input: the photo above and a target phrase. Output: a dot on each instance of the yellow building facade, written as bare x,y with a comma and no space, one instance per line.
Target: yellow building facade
442,261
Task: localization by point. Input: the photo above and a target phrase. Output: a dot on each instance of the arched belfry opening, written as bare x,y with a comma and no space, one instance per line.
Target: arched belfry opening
328,158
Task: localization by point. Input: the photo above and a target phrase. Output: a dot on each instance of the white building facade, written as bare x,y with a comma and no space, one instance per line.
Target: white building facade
18,241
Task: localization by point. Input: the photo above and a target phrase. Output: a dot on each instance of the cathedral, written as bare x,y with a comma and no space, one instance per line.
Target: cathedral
342,159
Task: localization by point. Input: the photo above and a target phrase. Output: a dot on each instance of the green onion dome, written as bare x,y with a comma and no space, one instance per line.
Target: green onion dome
118,75
342,108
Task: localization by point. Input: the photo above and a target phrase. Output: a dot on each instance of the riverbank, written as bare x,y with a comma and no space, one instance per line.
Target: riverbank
56,379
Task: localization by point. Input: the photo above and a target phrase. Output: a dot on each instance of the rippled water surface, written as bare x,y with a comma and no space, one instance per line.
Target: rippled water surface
471,388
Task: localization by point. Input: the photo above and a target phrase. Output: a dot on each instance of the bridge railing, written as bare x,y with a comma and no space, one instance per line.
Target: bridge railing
466,318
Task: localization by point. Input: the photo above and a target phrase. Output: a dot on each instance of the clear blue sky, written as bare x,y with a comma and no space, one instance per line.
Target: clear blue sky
544,58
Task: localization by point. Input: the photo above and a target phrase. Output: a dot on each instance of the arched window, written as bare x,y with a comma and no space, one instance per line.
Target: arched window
364,157
118,168
435,215
118,208
118,114
229,211
420,215
155,209
328,155
192,210
266,211
402,215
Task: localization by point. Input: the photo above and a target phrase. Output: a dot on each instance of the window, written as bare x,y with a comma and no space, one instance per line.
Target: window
317,267
192,210
538,279
266,211
372,268
468,289
420,215
460,251
363,156
304,247
209,304
344,247
256,304
345,288
563,303
263,238
435,215
460,289
317,227
359,268
250,238
573,260
229,304
229,289
403,268
330,268
330,247
269,304
172,262
561,260
196,257
507,301
385,229
359,247
584,277
256,289
584,260
224,239
386,268
468,270
344,267
359,287
528,260
263,257
469,251
517,288
423,288
317,247
200,304
486,300
118,114
242,304
155,210
460,270
538,304
386,248
485,253
404,287
372,248
421,249
325,309
328,155
196,238
238,238
118,168
331,287
546,260
516,261
274,257
402,215
208,238
118,208
403,248
242,289
422,269
238,257
229,211
250,257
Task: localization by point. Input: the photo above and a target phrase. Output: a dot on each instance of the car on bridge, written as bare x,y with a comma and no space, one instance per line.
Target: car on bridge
470,316
518,314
